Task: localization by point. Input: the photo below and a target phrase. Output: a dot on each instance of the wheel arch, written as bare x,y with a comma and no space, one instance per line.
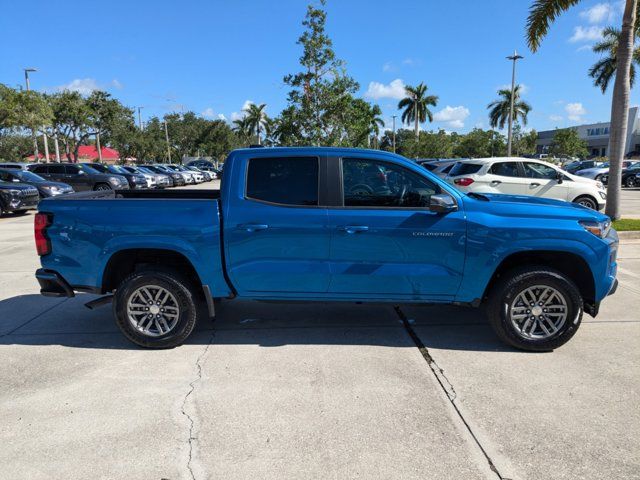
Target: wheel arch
570,264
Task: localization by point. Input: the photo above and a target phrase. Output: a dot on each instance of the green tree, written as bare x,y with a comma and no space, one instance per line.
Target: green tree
605,69
320,94
499,109
541,14
375,123
566,142
256,118
524,143
480,143
415,106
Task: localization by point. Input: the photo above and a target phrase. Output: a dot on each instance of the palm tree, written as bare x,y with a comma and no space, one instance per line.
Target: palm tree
604,69
375,122
256,118
541,14
499,109
416,105
241,127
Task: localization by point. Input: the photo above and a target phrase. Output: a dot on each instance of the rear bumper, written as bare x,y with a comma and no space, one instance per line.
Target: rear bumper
52,284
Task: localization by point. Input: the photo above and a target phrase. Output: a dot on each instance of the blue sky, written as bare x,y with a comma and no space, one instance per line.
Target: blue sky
214,56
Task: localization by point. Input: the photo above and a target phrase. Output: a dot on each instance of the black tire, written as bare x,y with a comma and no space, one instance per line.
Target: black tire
186,302
102,187
630,182
504,295
587,201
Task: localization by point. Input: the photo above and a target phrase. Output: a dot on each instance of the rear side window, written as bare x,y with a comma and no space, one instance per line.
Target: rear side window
505,169
39,169
465,169
72,169
287,181
429,166
57,169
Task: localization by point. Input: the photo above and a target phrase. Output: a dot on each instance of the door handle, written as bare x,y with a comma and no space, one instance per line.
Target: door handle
534,184
496,182
253,227
354,228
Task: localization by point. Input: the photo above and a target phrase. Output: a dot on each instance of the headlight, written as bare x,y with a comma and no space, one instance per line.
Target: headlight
53,190
600,185
114,181
599,229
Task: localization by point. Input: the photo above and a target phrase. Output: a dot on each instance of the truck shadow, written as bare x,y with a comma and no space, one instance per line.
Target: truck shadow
36,320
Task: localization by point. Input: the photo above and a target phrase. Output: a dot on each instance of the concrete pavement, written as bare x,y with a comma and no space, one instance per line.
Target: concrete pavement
310,391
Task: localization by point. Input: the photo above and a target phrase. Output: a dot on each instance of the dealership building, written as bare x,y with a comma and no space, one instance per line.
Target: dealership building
597,137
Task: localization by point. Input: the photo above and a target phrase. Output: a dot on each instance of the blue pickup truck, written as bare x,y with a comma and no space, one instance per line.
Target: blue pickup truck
328,224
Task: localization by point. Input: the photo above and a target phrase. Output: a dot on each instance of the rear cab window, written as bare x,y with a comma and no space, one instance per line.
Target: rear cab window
283,180
465,169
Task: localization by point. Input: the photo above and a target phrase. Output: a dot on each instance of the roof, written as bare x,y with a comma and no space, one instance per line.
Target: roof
85,152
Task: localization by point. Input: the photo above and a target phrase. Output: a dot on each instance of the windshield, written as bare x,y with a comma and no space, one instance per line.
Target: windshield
88,169
116,169
27,176
96,167
143,169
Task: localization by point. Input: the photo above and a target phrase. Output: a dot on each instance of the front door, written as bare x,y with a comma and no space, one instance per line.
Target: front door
386,243
275,233
542,181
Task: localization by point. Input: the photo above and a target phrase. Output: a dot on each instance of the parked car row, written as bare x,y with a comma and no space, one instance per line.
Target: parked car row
630,176
19,181
523,176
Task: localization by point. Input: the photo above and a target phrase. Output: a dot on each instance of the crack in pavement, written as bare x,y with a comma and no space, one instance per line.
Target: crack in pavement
446,386
192,387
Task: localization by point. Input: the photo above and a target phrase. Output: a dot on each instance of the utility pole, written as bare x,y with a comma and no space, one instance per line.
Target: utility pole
33,129
140,117
514,58
394,133
166,135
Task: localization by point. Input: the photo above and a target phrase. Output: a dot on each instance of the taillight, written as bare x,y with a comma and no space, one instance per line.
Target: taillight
463,182
40,224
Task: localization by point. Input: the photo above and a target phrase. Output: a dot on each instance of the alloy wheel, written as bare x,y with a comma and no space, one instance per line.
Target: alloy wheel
538,312
153,310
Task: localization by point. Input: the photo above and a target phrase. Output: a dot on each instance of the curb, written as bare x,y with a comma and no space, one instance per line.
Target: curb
633,235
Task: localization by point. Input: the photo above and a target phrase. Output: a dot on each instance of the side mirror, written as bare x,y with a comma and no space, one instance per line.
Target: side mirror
559,178
442,203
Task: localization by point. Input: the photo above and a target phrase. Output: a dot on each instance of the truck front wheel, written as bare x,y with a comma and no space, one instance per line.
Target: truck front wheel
155,309
535,308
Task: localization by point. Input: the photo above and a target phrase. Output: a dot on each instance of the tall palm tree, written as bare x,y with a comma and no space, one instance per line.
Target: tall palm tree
604,69
375,122
256,118
499,109
541,14
241,127
416,106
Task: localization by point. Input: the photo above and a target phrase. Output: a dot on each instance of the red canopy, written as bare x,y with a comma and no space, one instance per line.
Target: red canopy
85,152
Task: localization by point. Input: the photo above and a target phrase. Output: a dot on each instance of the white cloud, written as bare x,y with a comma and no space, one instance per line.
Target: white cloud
452,117
586,34
599,13
222,117
555,118
389,67
84,86
378,90
207,112
241,114
575,111
115,83
524,89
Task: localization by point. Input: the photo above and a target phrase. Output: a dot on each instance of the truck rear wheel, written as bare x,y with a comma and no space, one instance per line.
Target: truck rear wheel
155,309
535,308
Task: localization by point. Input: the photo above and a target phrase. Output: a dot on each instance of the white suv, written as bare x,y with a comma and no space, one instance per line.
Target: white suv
524,176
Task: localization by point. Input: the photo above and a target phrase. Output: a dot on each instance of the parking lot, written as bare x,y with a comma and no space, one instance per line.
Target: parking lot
322,391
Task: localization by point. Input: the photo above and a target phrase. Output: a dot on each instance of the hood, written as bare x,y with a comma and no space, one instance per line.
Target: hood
534,207
596,170
579,179
15,186
60,185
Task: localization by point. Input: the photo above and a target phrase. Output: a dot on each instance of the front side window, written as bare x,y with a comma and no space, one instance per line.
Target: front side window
505,169
55,169
369,183
538,170
285,180
72,169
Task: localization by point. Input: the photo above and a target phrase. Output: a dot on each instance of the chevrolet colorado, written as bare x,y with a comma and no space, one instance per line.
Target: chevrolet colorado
328,224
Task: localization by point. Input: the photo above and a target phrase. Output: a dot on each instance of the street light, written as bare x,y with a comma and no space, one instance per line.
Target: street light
26,75
394,133
514,58
140,117
28,70
166,135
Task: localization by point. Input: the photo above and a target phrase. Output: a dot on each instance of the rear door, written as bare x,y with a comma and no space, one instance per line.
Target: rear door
42,170
275,227
542,181
74,176
505,177
385,242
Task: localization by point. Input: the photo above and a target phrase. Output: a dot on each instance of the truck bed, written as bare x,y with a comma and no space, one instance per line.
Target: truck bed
144,194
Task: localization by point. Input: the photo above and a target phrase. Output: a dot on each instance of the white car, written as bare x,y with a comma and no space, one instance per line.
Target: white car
524,176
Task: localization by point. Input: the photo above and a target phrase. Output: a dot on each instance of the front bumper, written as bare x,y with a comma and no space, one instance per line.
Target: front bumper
52,284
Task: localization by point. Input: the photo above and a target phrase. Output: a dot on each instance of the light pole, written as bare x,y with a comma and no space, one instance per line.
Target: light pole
33,129
514,58
394,133
140,117
166,135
